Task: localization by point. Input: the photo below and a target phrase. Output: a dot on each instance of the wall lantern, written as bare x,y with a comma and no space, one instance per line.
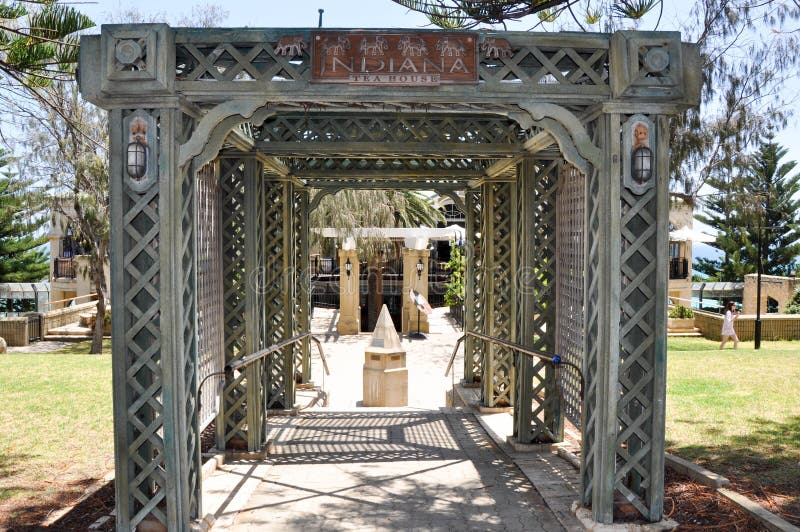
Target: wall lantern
140,161
348,267
420,267
137,158
638,155
642,164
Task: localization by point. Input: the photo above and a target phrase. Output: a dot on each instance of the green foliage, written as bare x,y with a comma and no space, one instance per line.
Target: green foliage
350,212
793,305
452,14
39,40
455,286
21,218
680,312
743,79
760,200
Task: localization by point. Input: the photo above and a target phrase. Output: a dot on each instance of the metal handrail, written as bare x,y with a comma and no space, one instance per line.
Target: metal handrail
533,353
258,355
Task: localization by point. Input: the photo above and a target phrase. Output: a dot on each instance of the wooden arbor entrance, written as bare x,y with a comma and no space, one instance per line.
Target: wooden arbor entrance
223,140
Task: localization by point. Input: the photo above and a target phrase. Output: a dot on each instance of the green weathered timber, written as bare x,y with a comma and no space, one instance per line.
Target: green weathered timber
242,95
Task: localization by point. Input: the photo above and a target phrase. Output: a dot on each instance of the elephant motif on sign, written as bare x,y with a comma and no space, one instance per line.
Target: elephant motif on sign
412,46
291,45
374,47
495,48
445,47
338,48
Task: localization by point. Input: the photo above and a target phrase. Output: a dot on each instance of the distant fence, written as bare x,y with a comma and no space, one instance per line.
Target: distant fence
773,326
34,327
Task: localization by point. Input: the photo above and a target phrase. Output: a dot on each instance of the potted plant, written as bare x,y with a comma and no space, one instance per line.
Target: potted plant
680,317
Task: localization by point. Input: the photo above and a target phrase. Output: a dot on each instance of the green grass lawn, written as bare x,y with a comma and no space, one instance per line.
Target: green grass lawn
736,412
55,425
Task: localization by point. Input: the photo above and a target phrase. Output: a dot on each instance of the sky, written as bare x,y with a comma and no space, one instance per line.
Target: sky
379,14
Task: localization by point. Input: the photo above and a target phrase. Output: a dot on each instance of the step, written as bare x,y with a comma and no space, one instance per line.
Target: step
69,337
692,334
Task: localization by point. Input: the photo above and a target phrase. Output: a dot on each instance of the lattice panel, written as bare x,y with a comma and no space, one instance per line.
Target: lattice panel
232,179
302,317
210,326
406,129
592,354
235,61
550,64
536,281
277,294
386,164
498,283
474,300
569,285
638,300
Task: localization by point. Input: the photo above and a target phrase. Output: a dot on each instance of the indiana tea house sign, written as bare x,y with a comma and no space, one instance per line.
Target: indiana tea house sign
394,58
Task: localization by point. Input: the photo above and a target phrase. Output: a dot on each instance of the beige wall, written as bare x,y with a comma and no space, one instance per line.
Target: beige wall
773,326
680,290
81,285
779,288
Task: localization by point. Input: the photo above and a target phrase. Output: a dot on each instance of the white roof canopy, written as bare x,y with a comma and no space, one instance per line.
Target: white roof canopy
453,232
687,233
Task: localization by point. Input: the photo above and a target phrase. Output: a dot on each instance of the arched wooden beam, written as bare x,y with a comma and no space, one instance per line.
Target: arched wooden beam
568,131
209,135
321,193
457,201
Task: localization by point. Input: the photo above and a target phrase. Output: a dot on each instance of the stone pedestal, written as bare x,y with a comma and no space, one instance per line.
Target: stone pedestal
385,372
412,281
349,309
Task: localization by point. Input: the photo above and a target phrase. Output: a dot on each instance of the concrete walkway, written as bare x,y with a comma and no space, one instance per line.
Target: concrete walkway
423,467
391,471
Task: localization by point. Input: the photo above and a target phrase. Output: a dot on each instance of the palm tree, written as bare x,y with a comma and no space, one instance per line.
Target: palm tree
348,211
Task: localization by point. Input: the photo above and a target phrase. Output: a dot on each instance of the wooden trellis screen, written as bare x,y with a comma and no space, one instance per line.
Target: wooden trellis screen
569,285
210,326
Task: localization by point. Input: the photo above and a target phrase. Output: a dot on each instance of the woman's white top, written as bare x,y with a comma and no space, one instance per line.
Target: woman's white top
727,323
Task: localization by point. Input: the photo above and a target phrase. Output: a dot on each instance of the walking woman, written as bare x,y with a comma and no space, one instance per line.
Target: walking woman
727,325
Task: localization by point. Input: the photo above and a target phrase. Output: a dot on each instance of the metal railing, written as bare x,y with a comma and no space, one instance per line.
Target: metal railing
67,302
34,327
555,360
64,268
258,355
678,268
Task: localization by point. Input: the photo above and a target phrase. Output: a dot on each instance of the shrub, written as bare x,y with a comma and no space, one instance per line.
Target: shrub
455,287
679,311
793,305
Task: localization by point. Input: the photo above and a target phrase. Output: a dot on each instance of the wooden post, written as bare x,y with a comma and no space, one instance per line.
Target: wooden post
254,298
153,323
473,288
601,348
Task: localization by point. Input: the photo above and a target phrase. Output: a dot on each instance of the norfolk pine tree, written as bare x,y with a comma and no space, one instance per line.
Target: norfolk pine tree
763,198
21,220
